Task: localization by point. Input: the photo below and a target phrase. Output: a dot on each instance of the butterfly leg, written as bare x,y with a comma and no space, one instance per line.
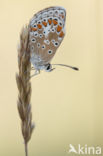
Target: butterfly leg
52,69
36,73
32,68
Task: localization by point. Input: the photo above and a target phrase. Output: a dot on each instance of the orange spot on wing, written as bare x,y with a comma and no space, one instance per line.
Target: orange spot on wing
45,24
61,34
59,28
50,21
55,22
33,29
62,16
39,26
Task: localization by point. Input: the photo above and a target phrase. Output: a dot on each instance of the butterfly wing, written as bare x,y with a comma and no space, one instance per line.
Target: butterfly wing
47,30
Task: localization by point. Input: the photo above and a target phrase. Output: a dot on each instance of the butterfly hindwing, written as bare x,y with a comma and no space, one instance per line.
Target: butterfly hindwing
47,30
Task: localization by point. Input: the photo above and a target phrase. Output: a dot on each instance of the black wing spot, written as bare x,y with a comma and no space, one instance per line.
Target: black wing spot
43,46
32,47
33,40
39,22
36,34
40,35
53,30
49,51
38,44
56,44
44,20
35,26
60,24
55,19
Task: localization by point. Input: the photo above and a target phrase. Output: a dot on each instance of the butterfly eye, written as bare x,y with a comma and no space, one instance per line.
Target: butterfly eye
49,67
49,51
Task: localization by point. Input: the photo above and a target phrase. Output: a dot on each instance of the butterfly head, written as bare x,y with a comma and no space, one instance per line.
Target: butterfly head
48,67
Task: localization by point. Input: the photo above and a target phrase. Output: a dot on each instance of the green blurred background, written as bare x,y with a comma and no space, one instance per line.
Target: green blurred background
67,106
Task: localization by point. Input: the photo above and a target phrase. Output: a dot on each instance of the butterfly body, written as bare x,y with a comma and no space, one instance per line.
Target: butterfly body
47,30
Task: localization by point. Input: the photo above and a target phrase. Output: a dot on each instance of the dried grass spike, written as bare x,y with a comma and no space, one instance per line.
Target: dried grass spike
24,87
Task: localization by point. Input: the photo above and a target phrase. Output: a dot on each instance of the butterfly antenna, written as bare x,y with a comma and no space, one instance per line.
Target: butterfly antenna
74,68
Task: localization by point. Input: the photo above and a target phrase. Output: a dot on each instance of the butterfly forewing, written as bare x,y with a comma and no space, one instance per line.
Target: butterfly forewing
47,30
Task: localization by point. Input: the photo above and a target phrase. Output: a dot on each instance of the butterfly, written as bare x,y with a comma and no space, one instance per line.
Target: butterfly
47,30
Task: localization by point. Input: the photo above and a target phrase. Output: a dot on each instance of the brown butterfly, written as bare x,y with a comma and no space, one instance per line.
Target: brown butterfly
47,30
